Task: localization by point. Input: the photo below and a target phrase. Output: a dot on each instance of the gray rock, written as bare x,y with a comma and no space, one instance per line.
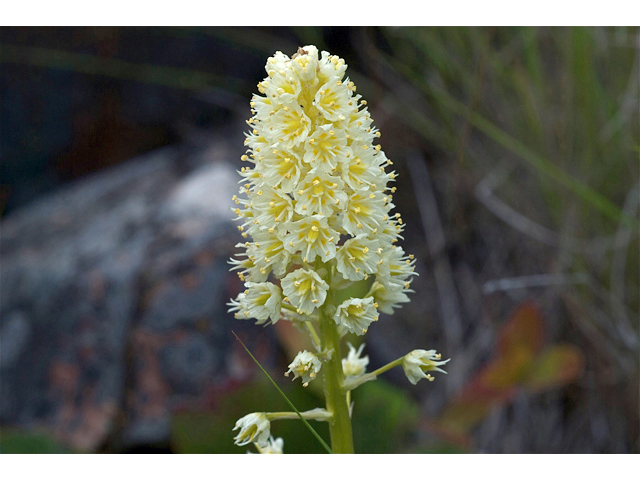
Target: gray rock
113,298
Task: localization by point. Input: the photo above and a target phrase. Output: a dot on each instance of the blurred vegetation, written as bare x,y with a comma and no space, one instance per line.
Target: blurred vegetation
18,441
383,420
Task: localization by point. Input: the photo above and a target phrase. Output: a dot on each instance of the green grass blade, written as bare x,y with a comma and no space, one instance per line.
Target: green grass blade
542,164
315,434
112,67
586,193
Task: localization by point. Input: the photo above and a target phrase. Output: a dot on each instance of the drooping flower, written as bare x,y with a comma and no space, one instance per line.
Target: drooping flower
306,365
395,269
388,298
353,365
261,301
356,314
254,427
417,362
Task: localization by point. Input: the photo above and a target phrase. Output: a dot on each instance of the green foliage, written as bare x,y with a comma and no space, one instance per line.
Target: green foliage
17,441
384,417
210,432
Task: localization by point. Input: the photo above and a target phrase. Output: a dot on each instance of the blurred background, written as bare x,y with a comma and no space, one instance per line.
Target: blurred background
517,150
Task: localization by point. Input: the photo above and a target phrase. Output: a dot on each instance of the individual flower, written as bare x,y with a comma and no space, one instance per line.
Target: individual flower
255,428
305,290
395,269
357,258
281,169
306,365
263,301
353,365
362,170
305,63
273,446
334,101
363,212
390,298
356,314
417,362
248,270
330,65
319,193
269,254
289,127
271,209
312,237
326,148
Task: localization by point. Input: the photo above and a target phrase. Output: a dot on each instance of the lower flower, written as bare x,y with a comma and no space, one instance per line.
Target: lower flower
254,428
416,363
356,314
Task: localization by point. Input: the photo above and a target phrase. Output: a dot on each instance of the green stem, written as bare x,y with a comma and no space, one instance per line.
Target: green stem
388,366
314,334
317,414
336,399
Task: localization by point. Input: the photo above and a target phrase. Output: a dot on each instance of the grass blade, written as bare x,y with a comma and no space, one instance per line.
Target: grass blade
315,434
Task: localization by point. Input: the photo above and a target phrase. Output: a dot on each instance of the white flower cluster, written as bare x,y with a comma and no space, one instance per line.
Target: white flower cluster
315,193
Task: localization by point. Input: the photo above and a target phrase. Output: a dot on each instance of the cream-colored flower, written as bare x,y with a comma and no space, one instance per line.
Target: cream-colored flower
305,290
356,314
326,148
305,63
271,209
312,237
261,301
281,169
273,446
254,428
289,127
319,193
417,362
353,365
390,298
357,258
306,365
270,254
363,212
396,269
329,66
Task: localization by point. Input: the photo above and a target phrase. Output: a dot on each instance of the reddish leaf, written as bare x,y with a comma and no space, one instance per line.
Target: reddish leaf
558,365
507,370
524,331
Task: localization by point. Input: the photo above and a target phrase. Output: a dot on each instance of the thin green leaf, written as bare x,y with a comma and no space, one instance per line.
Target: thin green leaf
322,442
113,67
542,164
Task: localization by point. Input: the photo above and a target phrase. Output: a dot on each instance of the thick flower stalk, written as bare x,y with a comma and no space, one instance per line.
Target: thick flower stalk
315,210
